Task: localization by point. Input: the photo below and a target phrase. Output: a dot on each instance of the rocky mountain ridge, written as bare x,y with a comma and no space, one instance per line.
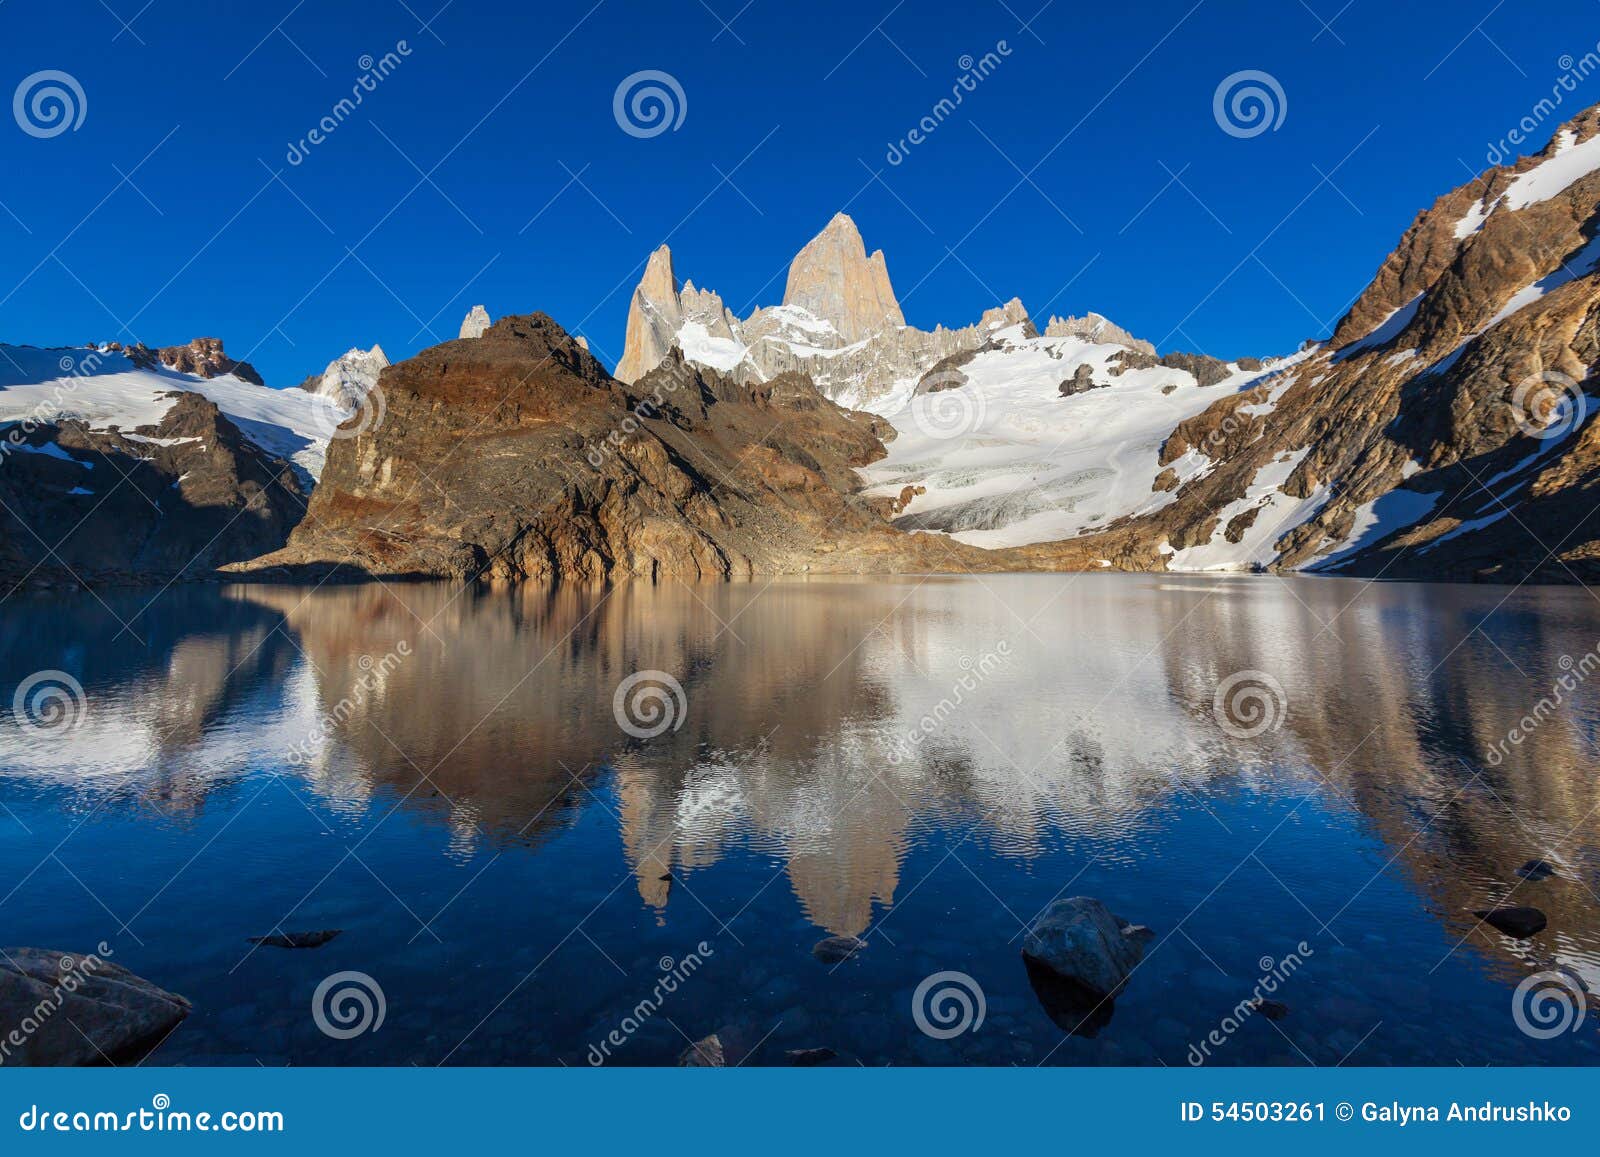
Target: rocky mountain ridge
1444,430
515,456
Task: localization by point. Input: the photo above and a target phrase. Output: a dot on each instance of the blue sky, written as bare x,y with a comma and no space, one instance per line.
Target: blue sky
1086,171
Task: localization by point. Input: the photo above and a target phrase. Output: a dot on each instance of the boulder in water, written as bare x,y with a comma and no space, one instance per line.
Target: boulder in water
1518,922
704,1054
1082,941
297,939
73,1009
837,949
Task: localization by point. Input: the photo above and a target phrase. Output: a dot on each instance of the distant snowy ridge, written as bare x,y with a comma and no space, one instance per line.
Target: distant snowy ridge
106,388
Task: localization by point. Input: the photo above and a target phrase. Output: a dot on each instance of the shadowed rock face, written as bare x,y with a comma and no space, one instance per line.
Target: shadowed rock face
98,1013
515,456
174,500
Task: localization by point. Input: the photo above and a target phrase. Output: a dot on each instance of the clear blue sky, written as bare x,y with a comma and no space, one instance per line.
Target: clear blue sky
1136,203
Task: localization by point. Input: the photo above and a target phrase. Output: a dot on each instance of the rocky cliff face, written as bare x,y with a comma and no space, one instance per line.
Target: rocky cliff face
349,377
203,357
171,500
654,317
834,279
839,324
515,456
1445,430
476,321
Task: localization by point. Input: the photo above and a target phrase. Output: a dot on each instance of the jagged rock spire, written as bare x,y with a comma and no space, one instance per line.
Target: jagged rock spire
835,279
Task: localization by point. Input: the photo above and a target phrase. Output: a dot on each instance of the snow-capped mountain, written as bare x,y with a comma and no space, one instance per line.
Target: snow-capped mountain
1005,437
115,465
349,378
1039,438
1443,428
106,388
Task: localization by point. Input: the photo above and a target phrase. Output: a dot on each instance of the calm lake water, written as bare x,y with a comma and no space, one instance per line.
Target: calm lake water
450,777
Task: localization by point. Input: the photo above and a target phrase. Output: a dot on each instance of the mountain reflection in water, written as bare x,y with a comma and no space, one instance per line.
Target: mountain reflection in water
924,762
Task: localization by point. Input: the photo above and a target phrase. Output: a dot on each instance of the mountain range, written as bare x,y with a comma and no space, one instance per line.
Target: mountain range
1441,431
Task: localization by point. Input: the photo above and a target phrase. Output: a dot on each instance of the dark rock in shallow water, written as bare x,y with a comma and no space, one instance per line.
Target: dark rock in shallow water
835,949
1071,1006
1271,1009
1081,940
1519,922
704,1054
80,1010
1536,870
806,1058
297,939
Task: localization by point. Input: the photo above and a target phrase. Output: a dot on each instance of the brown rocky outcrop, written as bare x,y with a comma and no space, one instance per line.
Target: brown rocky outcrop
203,357
515,456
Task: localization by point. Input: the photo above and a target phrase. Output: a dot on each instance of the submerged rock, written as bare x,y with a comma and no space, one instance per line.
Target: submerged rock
1518,922
1536,870
1082,941
806,1058
1271,1009
297,939
1071,1006
836,949
704,1054
71,1009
